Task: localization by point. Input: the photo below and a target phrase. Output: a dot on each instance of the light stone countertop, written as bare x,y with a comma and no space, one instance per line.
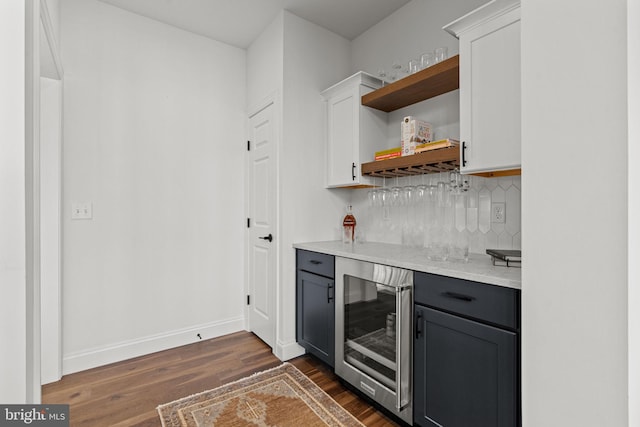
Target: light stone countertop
478,269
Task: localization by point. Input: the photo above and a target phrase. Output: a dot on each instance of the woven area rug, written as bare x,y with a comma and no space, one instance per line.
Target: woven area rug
282,396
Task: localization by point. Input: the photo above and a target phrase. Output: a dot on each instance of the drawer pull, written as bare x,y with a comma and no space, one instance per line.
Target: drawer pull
461,297
315,262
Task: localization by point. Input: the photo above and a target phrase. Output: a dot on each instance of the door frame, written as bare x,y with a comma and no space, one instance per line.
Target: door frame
51,251
633,90
51,229
272,100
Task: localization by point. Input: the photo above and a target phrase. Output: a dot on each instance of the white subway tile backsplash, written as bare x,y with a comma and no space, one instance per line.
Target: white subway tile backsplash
497,228
490,183
517,183
484,214
505,235
472,196
491,240
460,212
469,214
512,223
472,219
497,195
472,210
505,182
505,241
517,241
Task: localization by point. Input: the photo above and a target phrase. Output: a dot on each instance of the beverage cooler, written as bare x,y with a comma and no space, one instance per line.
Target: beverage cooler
373,332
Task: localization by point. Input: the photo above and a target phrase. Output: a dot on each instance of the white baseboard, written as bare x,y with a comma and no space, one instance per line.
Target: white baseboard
287,351
99,356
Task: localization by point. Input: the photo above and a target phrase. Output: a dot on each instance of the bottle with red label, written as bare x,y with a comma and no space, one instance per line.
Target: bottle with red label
349,227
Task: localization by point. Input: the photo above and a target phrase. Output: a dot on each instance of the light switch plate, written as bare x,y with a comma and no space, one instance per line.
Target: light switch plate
498,213
81,210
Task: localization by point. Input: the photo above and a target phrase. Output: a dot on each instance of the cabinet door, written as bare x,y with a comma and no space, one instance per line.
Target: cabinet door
315,315
465,373
354,132
490,95
342,114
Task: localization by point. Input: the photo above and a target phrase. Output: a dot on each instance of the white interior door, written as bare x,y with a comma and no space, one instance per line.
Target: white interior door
262,220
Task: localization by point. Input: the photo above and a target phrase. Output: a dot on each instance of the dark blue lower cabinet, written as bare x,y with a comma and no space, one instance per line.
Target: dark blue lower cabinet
465,373
315,312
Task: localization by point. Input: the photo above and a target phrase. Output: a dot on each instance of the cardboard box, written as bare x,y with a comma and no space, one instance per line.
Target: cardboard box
414,131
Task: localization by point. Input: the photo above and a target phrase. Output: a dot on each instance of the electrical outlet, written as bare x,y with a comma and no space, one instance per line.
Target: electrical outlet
498,213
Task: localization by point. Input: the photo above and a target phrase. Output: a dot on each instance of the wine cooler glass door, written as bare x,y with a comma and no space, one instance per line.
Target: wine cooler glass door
370,329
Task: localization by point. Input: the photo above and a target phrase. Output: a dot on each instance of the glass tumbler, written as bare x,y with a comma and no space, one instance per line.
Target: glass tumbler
414,66
441,54
427,60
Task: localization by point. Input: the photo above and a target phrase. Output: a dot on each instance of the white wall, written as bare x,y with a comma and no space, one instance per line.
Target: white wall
574,291
264,66
633,90
408,33
154,138
12,203
314,59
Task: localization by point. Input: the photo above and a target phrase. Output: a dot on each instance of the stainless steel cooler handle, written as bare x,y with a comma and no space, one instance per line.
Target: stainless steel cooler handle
398,348
400,331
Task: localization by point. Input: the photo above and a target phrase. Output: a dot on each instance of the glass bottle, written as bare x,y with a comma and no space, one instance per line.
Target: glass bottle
348,227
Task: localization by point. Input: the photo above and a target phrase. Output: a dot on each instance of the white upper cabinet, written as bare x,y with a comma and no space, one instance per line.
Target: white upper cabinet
354,132
489,87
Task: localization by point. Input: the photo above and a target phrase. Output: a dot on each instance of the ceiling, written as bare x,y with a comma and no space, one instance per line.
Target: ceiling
239,22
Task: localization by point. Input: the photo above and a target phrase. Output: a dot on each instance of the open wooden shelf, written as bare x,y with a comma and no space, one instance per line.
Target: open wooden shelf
440,78
434,161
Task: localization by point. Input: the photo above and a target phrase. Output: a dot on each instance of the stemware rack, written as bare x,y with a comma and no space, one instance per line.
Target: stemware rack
434,161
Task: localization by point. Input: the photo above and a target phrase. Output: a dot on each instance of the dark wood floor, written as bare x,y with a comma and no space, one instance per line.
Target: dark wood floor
127,393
